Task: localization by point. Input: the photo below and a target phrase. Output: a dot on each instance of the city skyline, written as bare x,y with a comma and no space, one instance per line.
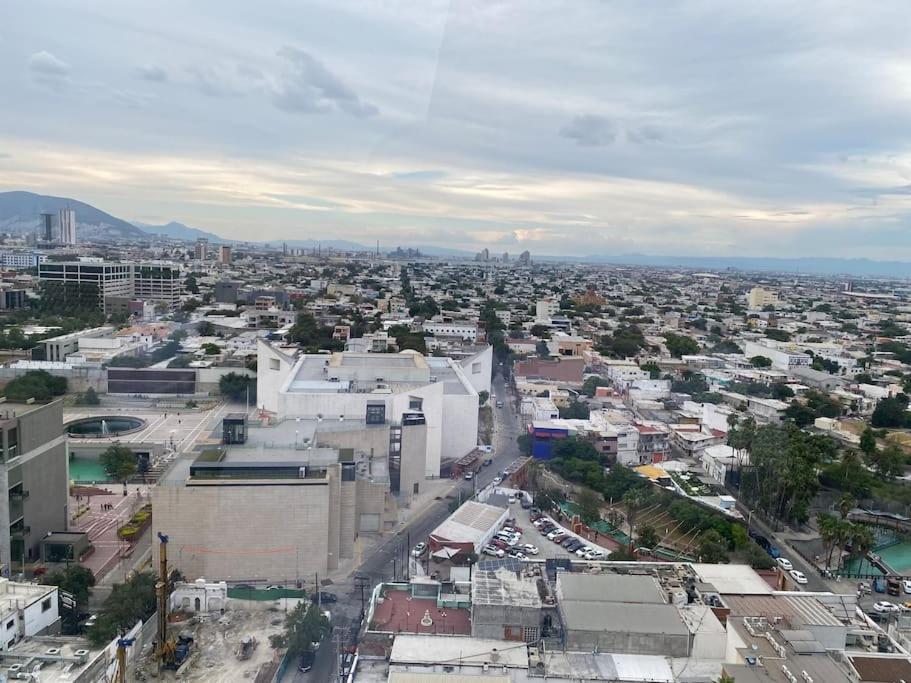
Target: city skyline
702,129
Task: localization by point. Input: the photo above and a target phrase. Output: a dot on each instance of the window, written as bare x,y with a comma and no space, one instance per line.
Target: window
274,364
12,442
531,634
475,368
45,604
10,624
415,403
11,643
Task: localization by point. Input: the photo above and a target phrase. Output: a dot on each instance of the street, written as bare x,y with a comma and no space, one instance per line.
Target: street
386,561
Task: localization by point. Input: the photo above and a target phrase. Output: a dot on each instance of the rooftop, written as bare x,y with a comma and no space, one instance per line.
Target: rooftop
398,612
426,649
14,595
620,616
737,579
469,523
608,588
63,665
504,587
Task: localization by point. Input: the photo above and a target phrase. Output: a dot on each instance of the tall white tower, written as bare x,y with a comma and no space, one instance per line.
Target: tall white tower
68,226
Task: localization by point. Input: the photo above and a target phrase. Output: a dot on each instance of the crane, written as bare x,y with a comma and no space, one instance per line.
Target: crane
122,644
171,653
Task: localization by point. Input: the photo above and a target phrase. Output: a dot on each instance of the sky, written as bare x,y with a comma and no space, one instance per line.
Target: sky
565,128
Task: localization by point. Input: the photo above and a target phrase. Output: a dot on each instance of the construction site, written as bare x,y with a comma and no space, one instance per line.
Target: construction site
202,634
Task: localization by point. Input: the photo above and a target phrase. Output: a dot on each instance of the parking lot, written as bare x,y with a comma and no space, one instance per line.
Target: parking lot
547,549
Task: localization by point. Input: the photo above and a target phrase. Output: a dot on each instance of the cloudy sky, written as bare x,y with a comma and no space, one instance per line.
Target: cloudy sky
578,127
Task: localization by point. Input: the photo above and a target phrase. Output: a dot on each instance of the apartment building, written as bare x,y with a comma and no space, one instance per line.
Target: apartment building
454,328
783,358
34,474
758,298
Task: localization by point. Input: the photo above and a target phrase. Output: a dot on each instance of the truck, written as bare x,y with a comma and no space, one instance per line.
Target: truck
247,645
879,585
893,586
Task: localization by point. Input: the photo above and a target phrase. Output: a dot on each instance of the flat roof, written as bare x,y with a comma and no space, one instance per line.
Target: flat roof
422,677
469,523
608,667
738,579
438,649
609,588
619,616
503,587
15,595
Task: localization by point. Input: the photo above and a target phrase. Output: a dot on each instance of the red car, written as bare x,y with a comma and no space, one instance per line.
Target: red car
502,545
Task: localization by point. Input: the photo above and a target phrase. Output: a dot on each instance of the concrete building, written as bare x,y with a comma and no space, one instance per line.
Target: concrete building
226,291
157,282
468,529
454,328
505,605
22,259
545,309
47,227
282,506
67,222
758,298
782,358
380,386
224,255
202,249
34,474
26,609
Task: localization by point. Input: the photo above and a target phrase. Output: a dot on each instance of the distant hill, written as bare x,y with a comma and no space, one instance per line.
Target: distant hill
21,212
178,231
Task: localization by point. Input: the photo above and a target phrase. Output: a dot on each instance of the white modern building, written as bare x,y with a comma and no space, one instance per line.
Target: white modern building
455,328
783,358
67,219
380,386
26,609
545,309
21,259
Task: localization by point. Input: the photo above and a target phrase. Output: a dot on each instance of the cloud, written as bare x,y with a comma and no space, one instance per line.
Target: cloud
308,87
589,130
644,134
151,72
48,70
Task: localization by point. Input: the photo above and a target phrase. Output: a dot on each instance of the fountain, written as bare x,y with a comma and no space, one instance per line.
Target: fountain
104,426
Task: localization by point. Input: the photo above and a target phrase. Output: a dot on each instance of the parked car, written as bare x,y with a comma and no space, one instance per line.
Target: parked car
568,541
512,499
305,663
274,587
573,545
584,549
525,503
497,481
798,576
906,584
884,607
594,554
419,549
497,543
879,585
487,462
773,551
530,549
323,597
494,551
785,564
517,554
535,511
499,404
469,476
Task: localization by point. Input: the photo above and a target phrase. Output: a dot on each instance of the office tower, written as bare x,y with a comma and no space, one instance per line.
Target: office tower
202,248
47,224
224,254
67,218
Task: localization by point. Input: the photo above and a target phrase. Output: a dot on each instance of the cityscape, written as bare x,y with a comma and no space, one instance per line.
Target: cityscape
455,343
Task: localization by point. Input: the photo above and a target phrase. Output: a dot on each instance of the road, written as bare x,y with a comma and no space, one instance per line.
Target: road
389,557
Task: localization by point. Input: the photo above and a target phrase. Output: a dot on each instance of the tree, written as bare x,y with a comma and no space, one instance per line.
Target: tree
128,603
235,386
524,443
776,334
576,410
37,384
78,581
119,462
89,397
654,372
889,412
549,499
888,462
591,384
211,349
739,537
589,504
205,329
632,501
483,396
541,349
648,537
761,362
680,345
712,548
304,626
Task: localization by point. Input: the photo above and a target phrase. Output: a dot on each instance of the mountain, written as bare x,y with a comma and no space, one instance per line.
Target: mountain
21,212
178,231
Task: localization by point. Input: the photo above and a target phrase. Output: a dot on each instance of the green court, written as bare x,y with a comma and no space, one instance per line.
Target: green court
87,470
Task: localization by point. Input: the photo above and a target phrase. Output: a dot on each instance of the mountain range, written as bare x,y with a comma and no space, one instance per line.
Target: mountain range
20,212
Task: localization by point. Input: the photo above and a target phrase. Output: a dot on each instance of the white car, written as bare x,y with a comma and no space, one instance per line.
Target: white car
553,534
540,522
798,576
785,563
419,549
594,554
885,607
497,481
530,549
906,584
512,499
493,550
583,550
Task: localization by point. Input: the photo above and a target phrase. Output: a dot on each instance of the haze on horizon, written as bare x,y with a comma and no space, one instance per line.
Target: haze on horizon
566,128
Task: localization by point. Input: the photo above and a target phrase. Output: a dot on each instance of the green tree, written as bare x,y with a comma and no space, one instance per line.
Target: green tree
776,334
305,625
680,345
37,384
128,603
89,397
205,329
78,581
589,506
647,537
654,372
119,462
739,537
590,385
235,386
211,349
890,412
712,548
888,462
523,441
761,362
868,442
576,410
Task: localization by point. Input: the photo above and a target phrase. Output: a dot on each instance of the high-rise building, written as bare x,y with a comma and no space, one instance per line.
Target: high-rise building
224,254
759,298
96,283
505,257
525,258
202,248
67,219
33,475
47,226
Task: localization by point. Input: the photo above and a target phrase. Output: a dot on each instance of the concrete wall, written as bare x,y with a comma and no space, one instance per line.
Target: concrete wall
46,479
503,621
413,461
628,642
245,533
478,370
78,379
207,378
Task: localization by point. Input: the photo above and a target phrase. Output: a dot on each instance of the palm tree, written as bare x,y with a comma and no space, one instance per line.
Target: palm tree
827,533
862,542
845,505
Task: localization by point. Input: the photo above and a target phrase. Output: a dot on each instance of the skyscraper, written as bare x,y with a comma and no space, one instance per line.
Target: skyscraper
67,219
47,225
224,254
202,247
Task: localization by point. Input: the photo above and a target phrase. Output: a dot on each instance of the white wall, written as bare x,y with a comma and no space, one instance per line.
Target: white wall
481,379
37,620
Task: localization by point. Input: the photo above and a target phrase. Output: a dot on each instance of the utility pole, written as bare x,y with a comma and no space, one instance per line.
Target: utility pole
337,636
361,582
